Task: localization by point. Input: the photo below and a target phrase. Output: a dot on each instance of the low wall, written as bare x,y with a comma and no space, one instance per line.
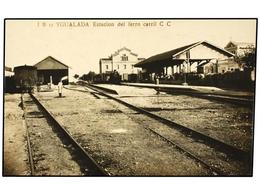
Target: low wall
234,80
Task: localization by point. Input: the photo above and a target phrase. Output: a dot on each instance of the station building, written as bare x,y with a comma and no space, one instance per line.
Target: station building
240,48
51,70
200,57
122,61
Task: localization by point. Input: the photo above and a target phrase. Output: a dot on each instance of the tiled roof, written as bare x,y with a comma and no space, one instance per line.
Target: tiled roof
167,57
50,63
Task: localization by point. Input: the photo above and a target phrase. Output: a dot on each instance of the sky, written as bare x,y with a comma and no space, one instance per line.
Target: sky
81,43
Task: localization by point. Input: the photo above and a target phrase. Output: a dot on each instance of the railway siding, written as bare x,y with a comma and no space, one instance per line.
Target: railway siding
212,157
118,144
230,123
51,155
220,162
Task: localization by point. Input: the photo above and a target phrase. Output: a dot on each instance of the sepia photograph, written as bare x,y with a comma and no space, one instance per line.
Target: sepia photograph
129,97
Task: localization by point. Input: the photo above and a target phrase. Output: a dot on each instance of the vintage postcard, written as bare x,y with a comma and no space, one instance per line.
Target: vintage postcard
129,97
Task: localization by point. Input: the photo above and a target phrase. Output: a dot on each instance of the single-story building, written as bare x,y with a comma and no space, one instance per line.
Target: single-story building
51,70
240,48
200,57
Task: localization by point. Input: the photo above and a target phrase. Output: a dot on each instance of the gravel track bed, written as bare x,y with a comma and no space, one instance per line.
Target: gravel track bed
51,156
213,157
226,122
119,144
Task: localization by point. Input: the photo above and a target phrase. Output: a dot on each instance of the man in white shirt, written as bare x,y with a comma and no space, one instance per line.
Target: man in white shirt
60,86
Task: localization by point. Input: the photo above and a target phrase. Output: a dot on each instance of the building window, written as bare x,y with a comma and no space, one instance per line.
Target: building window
117,66
132,66
124,66
107,67
124,57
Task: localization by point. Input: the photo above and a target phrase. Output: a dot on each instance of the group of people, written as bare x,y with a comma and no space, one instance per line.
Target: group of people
50,86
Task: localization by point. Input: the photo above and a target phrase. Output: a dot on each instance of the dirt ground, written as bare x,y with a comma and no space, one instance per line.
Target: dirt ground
15,145
52,156
226,122
230,123
120,145
215,158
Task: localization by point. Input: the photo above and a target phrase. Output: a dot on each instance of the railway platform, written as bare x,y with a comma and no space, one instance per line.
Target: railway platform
194,89
236,97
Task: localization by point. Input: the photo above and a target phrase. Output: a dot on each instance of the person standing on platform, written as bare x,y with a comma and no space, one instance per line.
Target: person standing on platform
157,80
60,86
157,83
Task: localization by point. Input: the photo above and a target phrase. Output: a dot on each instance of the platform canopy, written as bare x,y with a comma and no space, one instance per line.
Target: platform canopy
195,52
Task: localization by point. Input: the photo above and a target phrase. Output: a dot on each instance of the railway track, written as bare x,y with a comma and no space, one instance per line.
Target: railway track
231,99
86,160
29,148
233,152
239,101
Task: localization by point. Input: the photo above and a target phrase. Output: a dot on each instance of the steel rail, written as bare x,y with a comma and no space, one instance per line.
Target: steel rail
92,93
220,98
215,171
221,146
30,153
95,167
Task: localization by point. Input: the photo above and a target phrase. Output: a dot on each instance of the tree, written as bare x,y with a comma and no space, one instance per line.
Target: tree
84,77
91,76
114,77
88,77
76,76
247,61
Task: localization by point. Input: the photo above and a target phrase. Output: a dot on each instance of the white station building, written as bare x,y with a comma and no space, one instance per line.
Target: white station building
123,61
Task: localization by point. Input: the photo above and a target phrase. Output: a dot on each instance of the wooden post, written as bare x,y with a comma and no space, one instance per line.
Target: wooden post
187,60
